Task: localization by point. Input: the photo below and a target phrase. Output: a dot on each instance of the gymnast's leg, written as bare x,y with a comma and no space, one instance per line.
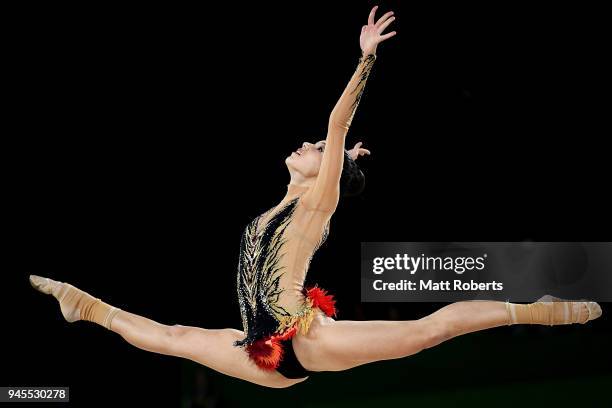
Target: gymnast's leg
343,344
212,348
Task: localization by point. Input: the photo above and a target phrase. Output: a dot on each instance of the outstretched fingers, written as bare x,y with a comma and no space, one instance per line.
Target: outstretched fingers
384,25
357,151
372,14
384,19
388,35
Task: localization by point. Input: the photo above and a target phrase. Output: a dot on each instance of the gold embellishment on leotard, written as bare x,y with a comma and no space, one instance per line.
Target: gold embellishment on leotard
259,273
271,271
303,318
258,278
367,62
322,239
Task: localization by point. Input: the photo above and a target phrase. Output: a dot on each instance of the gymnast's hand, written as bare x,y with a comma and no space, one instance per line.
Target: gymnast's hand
371,33
357,151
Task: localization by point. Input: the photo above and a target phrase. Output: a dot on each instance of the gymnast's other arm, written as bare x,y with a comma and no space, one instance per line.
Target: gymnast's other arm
325,193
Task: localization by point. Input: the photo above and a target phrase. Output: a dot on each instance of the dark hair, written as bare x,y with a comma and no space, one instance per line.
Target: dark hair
352,180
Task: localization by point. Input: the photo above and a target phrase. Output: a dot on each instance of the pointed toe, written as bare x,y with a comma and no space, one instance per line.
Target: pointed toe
36,280
595,310
41,284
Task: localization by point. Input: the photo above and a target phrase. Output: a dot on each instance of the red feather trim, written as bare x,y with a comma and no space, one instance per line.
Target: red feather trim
268,352
322,300
289,333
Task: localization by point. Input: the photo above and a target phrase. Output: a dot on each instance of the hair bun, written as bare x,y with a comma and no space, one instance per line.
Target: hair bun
352,180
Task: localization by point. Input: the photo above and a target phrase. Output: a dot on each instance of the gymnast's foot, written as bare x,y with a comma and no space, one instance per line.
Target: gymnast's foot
75,304
550,310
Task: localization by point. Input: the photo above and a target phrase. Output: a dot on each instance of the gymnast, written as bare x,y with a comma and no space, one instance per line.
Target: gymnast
289,331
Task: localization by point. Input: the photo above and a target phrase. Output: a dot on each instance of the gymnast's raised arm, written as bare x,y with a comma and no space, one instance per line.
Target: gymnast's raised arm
325,193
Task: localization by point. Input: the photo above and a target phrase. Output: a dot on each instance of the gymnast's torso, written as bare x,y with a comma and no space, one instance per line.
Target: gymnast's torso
277,246
276,249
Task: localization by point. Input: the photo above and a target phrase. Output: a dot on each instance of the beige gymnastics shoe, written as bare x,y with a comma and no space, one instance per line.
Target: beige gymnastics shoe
550,310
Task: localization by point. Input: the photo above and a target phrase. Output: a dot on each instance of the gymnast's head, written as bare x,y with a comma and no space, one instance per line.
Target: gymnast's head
304,165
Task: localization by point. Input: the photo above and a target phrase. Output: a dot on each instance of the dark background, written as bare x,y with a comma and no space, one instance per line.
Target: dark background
140,142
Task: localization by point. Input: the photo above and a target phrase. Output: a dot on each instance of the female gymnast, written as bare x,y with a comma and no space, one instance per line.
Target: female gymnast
288,330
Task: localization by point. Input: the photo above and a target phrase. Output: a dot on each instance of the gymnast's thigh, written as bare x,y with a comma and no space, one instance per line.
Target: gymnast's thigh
214,348
332,345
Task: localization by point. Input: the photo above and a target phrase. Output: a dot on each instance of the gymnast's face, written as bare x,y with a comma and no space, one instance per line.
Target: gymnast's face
307,159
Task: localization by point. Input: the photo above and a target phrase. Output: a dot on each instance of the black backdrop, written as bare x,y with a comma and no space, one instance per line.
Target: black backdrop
142,141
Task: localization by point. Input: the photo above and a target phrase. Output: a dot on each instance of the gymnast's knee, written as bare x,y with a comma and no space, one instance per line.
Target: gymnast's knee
177,331
436,332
